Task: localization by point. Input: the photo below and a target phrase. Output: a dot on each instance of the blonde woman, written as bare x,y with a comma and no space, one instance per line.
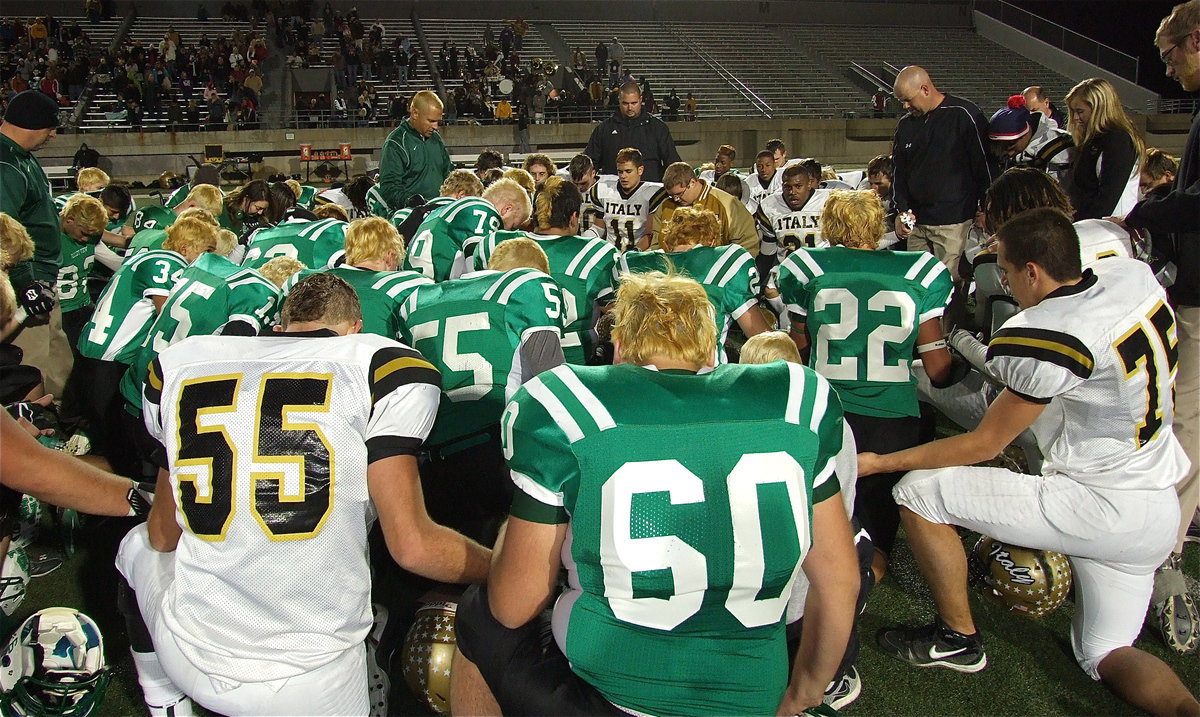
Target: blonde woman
1103,180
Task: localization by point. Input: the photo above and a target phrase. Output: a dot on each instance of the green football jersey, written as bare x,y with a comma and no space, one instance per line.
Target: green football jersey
862,311
123,314
446,241
472,329
400,215
77,259
209,294
376,204
487,247
381,293
145,240
584,269
153,217
307,195
682,557
314,244
727,274
178,196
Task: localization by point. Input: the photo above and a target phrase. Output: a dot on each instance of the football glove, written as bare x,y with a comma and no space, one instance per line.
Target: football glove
37,298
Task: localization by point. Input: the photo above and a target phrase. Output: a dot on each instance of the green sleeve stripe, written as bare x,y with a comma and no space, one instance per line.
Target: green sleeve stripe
828,488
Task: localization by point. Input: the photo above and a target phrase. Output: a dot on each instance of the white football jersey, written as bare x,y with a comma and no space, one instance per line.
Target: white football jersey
759,191
1099,239
267,440
1049,150
782,230
1105,350
338,197
590,212
625,214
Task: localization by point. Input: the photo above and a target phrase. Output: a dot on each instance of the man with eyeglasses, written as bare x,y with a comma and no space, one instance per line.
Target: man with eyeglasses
1173,222
684,189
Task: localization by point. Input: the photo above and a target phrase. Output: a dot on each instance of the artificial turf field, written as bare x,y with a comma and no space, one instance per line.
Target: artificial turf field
1030,668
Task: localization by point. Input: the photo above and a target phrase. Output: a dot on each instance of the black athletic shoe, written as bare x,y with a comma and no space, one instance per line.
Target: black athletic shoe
932,645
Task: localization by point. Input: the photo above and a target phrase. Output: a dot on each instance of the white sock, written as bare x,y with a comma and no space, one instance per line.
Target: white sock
163,698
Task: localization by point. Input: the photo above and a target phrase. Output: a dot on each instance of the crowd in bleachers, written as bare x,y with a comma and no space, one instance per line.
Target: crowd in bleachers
46,54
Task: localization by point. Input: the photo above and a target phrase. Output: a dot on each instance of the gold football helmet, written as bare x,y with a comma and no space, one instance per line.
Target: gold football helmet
428,651
1034,582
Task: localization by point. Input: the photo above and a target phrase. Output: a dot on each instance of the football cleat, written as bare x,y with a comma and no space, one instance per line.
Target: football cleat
1175,612
54,665
844,690
1034,582
427,654
934,645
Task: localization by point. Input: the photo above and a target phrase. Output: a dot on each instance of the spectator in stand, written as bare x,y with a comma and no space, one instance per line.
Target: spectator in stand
689,108
579,60
941,168
1037,101
254,84
1103,178
38,33
601,57
414,160
504,111
616,54
632,127
507,39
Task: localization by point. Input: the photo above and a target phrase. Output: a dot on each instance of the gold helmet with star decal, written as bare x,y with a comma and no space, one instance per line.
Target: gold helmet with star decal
1034,582
428,651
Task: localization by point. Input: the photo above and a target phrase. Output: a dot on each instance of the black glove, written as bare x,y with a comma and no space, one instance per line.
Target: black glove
37,298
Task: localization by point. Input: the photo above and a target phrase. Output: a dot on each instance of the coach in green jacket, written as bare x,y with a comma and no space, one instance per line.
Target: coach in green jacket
414,160
30,121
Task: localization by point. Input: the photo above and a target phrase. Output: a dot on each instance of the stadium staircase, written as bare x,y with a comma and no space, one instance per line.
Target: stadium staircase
960,61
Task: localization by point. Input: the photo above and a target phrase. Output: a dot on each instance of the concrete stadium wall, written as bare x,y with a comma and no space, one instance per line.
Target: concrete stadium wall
844,143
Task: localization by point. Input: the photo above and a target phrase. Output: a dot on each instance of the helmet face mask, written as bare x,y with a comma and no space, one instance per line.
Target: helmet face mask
1034,582
54,665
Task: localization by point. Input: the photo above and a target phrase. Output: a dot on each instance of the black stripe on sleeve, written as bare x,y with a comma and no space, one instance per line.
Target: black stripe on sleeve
397,366
1043,345
381,447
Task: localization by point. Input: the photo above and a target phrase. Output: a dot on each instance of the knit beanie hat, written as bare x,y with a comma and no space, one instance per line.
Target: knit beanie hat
32,109
1010,123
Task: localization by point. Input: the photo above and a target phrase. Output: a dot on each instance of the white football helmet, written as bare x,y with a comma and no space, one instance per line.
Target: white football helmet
14,579
54,665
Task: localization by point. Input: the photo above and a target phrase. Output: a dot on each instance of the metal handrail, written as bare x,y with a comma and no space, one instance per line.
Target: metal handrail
759,103
1110,58
1174,106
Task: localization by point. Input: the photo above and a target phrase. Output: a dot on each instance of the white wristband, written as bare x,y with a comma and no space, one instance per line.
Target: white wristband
931,346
